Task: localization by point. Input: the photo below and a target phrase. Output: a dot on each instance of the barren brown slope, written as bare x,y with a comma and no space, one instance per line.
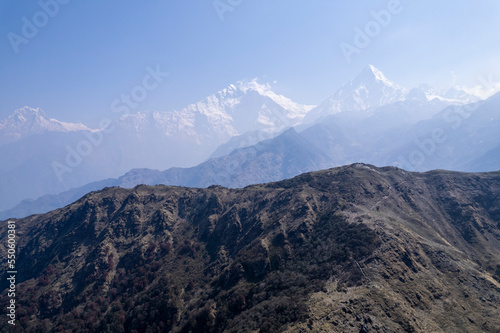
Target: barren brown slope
351,249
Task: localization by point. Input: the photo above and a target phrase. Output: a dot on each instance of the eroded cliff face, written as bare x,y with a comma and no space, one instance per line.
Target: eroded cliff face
350,249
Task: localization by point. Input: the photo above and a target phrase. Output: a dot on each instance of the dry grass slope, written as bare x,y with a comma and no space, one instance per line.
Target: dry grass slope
350,249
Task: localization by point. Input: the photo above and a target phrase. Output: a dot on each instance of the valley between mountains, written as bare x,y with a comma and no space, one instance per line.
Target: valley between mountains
350,249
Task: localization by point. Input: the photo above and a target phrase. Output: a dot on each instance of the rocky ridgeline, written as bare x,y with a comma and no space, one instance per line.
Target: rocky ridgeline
350,249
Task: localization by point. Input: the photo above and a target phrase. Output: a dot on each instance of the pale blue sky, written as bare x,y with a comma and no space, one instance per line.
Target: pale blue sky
92,51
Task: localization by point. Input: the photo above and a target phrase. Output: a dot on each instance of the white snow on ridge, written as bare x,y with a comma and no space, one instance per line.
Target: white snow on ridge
372,89
483,91
241,107
296,110
72,127
454,96
381,77
30,121
245,106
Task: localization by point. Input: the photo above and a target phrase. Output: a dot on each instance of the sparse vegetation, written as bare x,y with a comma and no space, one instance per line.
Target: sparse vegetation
308,254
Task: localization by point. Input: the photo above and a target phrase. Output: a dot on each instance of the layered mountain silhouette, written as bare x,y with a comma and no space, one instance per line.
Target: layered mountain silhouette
285,156
460,137
369,119
46,156
350,249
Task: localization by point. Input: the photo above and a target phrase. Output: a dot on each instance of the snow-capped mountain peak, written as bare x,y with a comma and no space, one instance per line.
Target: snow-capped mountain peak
371,73
372,77
372,89
369,89
26,115
27,121
244,106
378,74
295,110
249,105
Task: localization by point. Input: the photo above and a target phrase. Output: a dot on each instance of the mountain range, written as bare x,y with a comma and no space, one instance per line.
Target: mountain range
240,233
369,119
350,249
467,141
287,155
44,156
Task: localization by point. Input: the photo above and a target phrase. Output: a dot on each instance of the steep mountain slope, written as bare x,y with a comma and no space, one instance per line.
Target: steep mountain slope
371,135
242,141
351,249
282,157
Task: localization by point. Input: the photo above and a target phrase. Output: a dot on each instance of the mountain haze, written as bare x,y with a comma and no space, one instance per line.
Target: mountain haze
32,143
285,156
401,134
28,121
369,119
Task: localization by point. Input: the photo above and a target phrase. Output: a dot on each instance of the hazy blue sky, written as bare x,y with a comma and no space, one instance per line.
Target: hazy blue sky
90,52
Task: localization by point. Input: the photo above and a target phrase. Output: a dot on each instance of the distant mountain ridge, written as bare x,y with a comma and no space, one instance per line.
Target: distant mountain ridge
282,157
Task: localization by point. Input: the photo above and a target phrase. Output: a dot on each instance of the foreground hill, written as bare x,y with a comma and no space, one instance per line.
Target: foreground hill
350,249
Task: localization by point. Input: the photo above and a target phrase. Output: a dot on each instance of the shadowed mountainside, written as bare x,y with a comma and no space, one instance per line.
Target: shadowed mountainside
350,249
